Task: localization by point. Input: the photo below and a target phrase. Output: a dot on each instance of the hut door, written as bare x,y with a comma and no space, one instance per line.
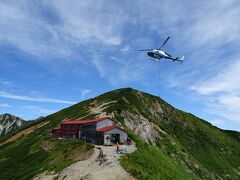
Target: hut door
115,138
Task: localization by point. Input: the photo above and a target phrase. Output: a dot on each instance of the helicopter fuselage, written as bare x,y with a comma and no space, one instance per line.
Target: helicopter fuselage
158,54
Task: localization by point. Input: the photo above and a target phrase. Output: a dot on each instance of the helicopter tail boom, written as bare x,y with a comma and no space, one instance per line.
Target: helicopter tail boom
179,59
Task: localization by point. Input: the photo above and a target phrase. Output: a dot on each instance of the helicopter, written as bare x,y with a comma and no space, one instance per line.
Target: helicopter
158,54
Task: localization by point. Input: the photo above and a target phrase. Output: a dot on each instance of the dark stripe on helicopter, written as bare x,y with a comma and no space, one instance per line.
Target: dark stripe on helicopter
168,54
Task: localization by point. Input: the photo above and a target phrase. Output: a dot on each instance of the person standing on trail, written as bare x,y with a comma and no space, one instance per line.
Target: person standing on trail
128,141
117,147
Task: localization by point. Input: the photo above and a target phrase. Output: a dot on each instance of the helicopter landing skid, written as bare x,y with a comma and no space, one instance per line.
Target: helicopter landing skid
154,60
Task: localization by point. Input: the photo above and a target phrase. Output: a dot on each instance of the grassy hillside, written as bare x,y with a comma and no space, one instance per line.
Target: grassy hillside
34,153
180,145
149,162
29,156
199,148
19,129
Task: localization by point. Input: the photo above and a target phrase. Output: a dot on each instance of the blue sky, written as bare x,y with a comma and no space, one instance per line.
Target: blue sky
57,53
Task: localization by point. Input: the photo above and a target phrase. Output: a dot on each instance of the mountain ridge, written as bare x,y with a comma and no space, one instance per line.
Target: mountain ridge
171,142
9,123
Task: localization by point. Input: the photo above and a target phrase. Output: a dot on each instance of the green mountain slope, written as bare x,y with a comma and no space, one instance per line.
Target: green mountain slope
200,148
172,144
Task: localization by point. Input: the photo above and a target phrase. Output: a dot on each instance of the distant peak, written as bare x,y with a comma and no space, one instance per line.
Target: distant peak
10,115
127,89
6,114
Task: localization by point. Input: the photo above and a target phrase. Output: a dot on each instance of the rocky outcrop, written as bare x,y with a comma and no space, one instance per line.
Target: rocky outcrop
141,126
9,123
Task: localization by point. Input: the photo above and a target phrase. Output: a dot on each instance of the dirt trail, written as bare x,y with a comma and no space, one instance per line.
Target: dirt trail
23,132
103,165
99,109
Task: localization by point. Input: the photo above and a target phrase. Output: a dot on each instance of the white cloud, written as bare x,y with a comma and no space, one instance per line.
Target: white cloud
231,102
114,58
226,81
4,105
35,99
99,65
60,28
125,49
4,82
84,92
122,70
217,122
220,111
87,22
193,23
225,106
38,110
56,28
222,92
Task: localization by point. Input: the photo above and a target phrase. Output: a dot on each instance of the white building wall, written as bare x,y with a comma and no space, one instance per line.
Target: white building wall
104,123
123,135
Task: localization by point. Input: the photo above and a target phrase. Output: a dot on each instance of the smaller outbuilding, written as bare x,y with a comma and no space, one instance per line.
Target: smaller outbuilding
112,135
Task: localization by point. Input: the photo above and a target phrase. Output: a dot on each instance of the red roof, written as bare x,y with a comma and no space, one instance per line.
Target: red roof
108,128
79,122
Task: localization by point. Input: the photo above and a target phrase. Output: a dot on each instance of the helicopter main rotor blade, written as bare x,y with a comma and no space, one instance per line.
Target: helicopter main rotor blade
145,50
165,42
